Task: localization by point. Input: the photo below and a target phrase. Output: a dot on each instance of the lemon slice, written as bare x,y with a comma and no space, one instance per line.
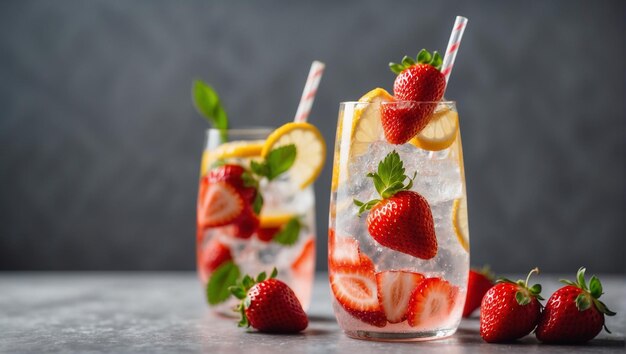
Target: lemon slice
233,149
335,179
274,220
310,150
366,129
460,222
440,132
366,125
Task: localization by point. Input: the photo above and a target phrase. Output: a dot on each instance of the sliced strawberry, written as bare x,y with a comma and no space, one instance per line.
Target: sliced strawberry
212,255
432,303
355,290
244,225
305,263
233,175
266,234
218,204
394,291
344,252
366,263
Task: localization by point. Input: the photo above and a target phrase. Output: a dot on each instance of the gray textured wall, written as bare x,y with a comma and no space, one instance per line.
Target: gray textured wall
99,143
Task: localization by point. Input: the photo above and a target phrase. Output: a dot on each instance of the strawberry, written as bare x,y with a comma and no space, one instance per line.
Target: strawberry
218,204
344,252
237,177
244,225
356,291
479,282
417,89
394,291
573,313
305,262
510,310
402,220
266,234
212,255
269,305
431,303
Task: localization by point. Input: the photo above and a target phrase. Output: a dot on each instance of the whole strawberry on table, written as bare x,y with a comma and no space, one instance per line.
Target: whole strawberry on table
478,283
510,310
269,305
574,313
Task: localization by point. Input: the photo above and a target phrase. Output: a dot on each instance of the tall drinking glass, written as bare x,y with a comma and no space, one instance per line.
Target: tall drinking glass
281,234
398,271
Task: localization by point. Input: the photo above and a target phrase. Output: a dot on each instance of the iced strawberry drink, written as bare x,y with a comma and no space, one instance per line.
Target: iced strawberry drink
398,237
256,207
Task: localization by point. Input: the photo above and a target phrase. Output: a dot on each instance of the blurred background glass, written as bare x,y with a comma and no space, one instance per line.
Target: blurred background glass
99,141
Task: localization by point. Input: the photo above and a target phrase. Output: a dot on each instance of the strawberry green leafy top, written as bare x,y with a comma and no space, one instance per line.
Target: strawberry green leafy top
388,180
423,57
589,293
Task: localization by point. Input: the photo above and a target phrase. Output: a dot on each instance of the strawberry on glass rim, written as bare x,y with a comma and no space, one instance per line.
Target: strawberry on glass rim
401,219
416,90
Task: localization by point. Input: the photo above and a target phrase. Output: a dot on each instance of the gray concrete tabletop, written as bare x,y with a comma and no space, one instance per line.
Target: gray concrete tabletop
157,312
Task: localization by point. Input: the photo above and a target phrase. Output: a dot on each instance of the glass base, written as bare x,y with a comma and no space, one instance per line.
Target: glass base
401,336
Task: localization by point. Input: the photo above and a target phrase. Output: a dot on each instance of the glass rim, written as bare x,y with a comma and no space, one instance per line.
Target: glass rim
418,102
243,131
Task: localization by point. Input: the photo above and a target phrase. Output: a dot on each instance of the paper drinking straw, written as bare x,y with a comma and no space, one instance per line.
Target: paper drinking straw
310,89
453,46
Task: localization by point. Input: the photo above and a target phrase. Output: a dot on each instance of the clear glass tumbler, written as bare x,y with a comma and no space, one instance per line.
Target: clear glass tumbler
398,231
251,242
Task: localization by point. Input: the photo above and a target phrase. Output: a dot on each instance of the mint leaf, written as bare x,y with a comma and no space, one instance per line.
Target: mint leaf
208,104
257,205
280,160
290,232
221,280
259,168
249,180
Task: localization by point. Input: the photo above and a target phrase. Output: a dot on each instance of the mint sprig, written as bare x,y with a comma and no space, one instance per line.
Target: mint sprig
209,105
277,162
423,57
388,180
223,277
240,291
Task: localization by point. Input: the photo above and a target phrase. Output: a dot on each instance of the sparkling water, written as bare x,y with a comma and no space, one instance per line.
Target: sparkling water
439,179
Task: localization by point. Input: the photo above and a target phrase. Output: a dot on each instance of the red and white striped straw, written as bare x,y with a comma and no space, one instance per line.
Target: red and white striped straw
310,89
453,46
